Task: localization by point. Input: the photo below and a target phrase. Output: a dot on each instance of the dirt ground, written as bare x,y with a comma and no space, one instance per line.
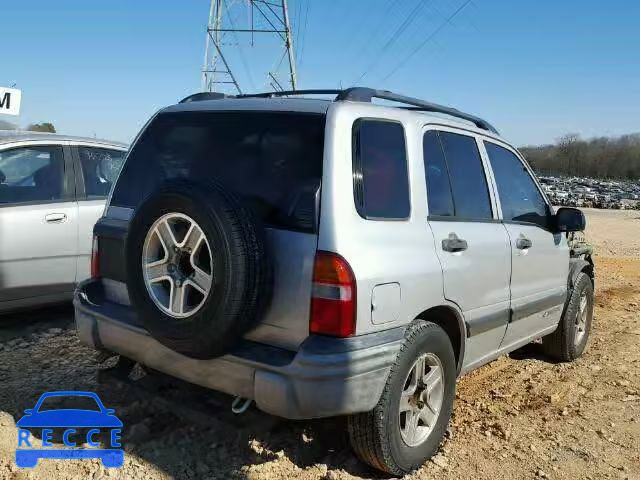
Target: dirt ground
519,417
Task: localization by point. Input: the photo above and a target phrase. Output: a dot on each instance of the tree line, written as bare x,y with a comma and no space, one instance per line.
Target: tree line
33,127
602,157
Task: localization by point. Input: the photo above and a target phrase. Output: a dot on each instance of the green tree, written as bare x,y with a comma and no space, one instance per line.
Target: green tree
42,127
603,157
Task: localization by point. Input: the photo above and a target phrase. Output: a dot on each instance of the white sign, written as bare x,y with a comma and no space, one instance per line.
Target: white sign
10,101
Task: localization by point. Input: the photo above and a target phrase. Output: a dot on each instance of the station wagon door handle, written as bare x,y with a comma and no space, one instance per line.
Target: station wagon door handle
55,217
523,243
454,244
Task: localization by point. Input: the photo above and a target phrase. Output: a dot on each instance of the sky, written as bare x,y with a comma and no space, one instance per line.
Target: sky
534,69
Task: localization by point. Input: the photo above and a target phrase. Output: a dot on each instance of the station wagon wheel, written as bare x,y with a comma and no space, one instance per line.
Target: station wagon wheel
177,265
581,318
570,339
421,399
407,425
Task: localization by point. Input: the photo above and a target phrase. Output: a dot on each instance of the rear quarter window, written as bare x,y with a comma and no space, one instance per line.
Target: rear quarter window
271,160
380,177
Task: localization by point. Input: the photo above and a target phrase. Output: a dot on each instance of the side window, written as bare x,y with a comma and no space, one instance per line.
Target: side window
100,168
380,177
437,176
466,173
31,174
519,195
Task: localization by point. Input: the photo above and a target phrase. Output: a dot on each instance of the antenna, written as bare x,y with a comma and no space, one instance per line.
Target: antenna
234,23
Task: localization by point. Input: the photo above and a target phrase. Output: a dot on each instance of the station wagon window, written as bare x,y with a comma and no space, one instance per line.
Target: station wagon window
439,195
464,181
31,174
100,168
380,177
520,197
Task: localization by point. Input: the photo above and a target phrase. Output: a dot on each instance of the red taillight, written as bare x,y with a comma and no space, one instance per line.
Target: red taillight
333,296
95,260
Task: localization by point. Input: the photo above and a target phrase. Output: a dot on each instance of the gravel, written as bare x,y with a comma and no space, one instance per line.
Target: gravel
521,416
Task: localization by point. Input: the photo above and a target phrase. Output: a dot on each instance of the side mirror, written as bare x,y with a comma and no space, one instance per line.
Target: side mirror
28,411
570,220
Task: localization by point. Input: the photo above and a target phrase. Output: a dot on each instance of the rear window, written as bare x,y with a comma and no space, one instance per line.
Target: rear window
272,161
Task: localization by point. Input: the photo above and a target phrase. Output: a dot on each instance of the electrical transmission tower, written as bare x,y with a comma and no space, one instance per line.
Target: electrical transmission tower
234,23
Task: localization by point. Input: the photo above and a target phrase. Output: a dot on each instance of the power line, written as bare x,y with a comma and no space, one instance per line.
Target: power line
304,33
297,27
410,18
427,40
384,19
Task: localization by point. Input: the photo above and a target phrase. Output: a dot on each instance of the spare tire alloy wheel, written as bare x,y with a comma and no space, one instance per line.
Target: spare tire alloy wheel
177,265
200,276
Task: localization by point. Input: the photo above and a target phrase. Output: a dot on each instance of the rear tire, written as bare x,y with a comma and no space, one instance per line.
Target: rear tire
569,341
380,437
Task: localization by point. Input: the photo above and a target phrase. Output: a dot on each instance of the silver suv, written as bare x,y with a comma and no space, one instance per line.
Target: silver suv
333,257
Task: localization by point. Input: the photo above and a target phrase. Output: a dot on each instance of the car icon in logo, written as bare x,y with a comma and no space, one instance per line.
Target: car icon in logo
92,415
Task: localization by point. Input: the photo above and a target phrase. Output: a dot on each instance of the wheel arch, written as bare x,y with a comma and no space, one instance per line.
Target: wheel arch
450,319
577,266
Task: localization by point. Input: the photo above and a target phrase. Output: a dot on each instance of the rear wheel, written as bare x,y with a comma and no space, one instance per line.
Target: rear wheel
570,339
408,424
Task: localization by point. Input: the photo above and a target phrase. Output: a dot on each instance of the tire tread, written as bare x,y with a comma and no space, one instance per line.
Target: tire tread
559,344
366,430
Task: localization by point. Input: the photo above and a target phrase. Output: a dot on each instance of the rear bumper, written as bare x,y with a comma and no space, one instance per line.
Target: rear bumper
325,377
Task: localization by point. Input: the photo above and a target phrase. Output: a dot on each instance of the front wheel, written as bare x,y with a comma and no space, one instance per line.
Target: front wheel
570,339
408,423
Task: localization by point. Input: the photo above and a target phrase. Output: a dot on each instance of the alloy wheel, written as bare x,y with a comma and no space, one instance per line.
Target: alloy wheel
421,399
177,265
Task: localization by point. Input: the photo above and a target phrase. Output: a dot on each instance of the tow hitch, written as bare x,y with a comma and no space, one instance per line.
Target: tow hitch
240,405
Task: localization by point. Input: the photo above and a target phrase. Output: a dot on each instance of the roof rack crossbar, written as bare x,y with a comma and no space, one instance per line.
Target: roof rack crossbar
362,94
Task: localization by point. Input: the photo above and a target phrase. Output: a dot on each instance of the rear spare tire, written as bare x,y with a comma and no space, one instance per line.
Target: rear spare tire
197,270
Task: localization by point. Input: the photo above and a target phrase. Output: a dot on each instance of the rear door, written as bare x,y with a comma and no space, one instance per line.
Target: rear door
271,160
471,243
540,258
96,171
38,224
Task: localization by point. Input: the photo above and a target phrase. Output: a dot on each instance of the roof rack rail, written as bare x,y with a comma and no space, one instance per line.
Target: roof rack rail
196,97
363,94
357,94
287,93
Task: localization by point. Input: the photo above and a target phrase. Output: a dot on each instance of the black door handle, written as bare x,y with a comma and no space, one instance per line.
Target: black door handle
523,243
454,244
